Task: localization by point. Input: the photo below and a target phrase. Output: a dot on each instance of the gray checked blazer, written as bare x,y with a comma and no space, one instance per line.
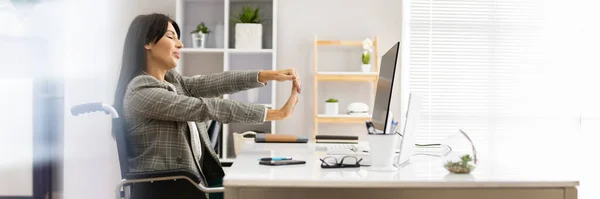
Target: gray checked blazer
156,119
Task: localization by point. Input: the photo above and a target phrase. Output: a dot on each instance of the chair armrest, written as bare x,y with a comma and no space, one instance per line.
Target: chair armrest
163,173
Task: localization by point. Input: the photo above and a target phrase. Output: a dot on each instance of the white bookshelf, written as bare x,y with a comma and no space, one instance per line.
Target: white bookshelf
220,53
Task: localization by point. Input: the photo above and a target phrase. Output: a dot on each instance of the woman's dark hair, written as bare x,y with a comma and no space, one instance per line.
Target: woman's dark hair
143,30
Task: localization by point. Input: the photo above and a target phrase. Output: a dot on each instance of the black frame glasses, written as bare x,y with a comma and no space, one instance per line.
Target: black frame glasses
332,162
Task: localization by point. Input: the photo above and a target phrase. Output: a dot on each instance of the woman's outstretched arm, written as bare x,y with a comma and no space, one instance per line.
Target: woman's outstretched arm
147,97
218,84
228,82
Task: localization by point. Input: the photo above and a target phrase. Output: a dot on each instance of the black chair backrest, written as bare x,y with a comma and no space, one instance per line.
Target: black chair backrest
214,131
122,145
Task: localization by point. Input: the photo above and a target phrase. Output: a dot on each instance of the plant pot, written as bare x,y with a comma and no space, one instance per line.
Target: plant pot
199,40
239,140
366,68
332,108
248,36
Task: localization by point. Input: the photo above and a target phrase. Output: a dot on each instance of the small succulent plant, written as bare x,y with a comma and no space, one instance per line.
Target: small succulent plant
366,57
202,28
462,166
248,14
331,100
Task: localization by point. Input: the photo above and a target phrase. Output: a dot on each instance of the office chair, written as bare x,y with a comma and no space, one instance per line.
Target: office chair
128,178
214,131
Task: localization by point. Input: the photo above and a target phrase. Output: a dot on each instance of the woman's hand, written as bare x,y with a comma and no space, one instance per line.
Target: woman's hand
287,109
281,75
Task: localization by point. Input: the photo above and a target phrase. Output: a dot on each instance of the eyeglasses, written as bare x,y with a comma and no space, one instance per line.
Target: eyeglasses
344,162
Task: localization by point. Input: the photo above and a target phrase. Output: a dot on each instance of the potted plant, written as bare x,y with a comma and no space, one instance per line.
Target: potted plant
462,166
199,36
366,55
248,28
331,106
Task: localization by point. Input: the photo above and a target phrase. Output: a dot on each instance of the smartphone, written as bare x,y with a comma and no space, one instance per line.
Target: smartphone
282,162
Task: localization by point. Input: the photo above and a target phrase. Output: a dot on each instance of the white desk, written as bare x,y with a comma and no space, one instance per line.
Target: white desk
423,178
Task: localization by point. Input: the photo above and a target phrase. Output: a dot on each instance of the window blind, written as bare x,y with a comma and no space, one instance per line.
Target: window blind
495,68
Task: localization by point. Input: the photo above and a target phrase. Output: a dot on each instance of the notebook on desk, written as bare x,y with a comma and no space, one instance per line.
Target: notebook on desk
277,138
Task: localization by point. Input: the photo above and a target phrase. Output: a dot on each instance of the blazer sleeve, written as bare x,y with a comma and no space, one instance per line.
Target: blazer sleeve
149,98
218,84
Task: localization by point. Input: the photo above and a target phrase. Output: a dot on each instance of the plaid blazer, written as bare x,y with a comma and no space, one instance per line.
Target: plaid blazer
156,119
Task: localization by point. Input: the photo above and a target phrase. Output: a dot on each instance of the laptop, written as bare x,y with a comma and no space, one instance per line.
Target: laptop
407,143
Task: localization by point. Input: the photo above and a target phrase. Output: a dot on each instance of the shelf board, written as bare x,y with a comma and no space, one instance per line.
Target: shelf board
250,50
221,50
323,118
202,50
338,43
347,76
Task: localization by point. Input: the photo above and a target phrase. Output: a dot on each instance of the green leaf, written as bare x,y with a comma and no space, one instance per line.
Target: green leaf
332,100
248,14
201,28
366,57
466,158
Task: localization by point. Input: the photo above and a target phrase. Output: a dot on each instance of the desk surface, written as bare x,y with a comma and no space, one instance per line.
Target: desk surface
422,172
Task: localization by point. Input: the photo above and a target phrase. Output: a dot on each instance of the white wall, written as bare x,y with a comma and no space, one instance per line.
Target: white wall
299,21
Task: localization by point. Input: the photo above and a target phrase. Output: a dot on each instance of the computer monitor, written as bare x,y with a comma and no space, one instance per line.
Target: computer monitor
382,117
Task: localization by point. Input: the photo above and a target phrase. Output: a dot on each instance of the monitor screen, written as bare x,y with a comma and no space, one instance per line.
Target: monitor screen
385,83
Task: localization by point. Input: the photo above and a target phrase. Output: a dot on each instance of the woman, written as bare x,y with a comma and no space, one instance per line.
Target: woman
166,114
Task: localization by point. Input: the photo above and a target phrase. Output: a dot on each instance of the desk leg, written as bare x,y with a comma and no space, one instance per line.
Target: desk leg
571,193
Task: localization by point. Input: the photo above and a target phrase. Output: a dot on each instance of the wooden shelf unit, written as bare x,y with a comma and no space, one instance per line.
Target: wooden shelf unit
338,43
347,76
321,76
344,119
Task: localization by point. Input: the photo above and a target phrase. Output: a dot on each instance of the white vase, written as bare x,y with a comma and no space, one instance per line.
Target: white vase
366,68
248,36
252,95
332,108
199,40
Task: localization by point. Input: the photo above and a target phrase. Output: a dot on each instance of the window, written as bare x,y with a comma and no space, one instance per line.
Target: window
517,75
